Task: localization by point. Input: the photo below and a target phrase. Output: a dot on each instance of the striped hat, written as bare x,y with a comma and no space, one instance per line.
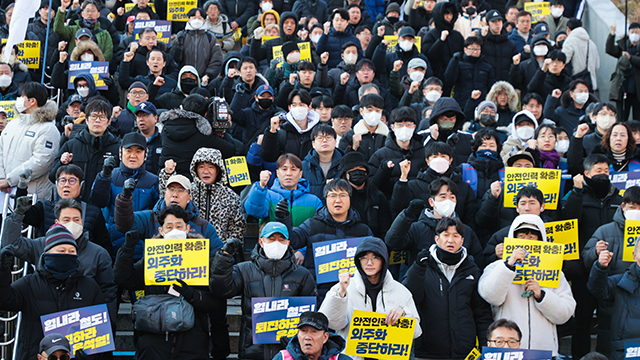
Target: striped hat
57,235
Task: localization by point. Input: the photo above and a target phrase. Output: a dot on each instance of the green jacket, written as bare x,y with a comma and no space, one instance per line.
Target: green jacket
68,34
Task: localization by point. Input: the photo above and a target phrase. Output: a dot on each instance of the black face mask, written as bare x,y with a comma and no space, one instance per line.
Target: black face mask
188,85
357,177
392,19
559,44
471,11
600,184
487,119
265,103
60,266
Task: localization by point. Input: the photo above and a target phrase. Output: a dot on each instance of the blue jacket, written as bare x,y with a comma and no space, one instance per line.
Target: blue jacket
104,192
332,347
312,171
12,92
518,40
253,158
375,8
333,42
154,152
248,119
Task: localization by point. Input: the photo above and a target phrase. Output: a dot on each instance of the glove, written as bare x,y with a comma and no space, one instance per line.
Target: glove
81,355
108,166
273,64
258,33
422,257
129,186
6,258
232,246
23,203
132,238
24,178
453,139
185,290
282,208
415,208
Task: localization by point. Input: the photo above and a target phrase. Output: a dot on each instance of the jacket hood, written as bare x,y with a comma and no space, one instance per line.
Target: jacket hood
578,33
303,188
507,88
191,69
528,219
360,128
566,100
43,114
275,13
212,156
619,218
181,132
287,15
445,104
89,78
438,15
313,118
376,246
15,63
526,113
86,45
539,39
230,56
333,346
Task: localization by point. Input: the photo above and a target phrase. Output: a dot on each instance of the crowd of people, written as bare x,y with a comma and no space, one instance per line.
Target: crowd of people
387,121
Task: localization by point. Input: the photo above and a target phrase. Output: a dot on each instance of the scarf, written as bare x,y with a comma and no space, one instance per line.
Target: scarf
619,156
549,159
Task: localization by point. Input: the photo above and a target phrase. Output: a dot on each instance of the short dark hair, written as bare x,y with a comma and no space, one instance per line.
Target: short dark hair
403,113
341,111
195,103
90,2
360,29
287,157
437,148
558,55
98,106
556,2
473,40
164,57
322,129
36,91
344,14
322,100
634,125
349,44
304,95
148,30
446,222
174,210
485,134
604,104
532,96
435,185
631,144
574,84
433,80
634,25
66,204
70,169
632,195
336,184
590,161
505,324
370,100
247,59
200,91
522,13
528,192
544,127
193,11
365,62
306,65
574,23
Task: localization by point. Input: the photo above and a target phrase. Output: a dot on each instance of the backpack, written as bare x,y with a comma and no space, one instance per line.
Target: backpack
470,176
162,314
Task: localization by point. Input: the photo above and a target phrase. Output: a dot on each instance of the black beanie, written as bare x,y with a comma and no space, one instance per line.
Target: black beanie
289,47
351,160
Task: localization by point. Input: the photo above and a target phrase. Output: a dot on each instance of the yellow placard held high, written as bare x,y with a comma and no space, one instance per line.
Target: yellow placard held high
266,38
177,9
9,107
537,10
28,53
305,52
543,262
565,232
166,260
631,233
393,42
370,336
237,171
547,180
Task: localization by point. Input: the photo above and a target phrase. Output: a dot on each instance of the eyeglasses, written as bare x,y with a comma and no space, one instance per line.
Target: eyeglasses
62,357
71,181
138,93
95,117
342,120
337,196
324,137
365,259
178,190
510,343
407,125
474,49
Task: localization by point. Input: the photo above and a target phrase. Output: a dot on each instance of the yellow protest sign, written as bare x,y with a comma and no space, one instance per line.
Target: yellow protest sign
166,260
305,52
267,38
547,180
371,337
543,262
565,232
393,42
177,9
9,107
631,233
129,6
237,171
537,10
398,257
28,53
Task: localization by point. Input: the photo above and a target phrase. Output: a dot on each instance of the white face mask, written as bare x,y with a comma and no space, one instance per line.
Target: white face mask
5,81
439,165
632,214
86,57
405,45
196,23
266,6
445,207
293,58
20,105
299,113
175,234
634,38
562,146
605,121
74,228
315,38
416,76
540,50
433,96
350,59
274,250
371,118
525,132
556,12
582,98
83,91
404,133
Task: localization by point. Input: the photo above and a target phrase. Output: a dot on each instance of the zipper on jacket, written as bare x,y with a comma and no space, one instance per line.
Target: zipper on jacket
206,214
440,286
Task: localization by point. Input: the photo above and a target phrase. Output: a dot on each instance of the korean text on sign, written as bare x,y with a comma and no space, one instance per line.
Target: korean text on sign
393,42
547,180
99,70
537,10
166,260
305,52
624,180
334,257
9,107
398,257
631,233
86,328
493,353
564,232
177,9
237,171
631,350
162,28
28,53
275,317
371,337
543,262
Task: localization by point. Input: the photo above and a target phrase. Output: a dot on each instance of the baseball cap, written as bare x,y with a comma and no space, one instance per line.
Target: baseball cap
541,29
522,154
263,89
417,63
54,342
131,18
407,31
275,227
526,226
314,319
134,139
75,98
181,180
84,32
494,15
146,107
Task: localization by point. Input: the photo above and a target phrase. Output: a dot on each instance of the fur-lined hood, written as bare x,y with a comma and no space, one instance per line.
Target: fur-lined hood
43,114
86,45
202,124
15,63
503,86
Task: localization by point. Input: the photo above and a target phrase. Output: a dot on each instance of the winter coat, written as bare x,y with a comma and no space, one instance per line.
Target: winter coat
544,82
555,25
519,40
120,21
453,313
440,52
537,319
579,148
238,11
261,203
260,277
309,8
348,94
334,345
173,99
89,153
499,51
198,48
260,51
382,176
229,87
183,133
248,120
615,49
68,34
139,65
462,147
514,143
507,113
563,110
373,208
312,171
154,151
370,143
375,8
467,75
613,233
384,62
126,79
30,141
575,47
289,139
223,32
37,30
10,93
40,294
332,43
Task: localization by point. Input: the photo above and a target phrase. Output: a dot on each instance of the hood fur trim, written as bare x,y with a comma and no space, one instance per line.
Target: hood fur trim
86,45
45,113
202,124
503,86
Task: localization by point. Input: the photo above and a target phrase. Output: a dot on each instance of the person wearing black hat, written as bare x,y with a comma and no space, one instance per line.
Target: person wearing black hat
522,72
440,43
497,49
288,32
406,50
56,285
314,341
126,120
56,345
391,16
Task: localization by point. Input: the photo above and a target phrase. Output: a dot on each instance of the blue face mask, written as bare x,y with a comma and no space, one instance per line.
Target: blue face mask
60,266
487,155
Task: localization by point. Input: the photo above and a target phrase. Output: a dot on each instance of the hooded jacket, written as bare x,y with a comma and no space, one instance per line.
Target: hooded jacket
615,49
384,62
289,139
332,347
30,141
519,40
215,85
514,143
223,32
68,34
613,233
392,294
198,48
383,176
563,110
440,52
462,147
505,114
40,294
260,277
466,74
260,51
370,143
575,46
520,75
537,319
60,73
172,100
333,42
250,121
499,51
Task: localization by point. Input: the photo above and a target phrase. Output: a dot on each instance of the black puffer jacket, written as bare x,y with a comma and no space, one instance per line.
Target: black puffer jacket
370,143
468,73
373,209
382,175
238,11
260,277
613,233
462,147
499,51
440,52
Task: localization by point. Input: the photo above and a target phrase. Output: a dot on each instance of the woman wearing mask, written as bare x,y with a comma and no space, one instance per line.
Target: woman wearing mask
524,129
485,115
484,162
567,108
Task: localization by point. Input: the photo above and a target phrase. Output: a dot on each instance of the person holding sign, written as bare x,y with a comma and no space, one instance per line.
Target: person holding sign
140,6
86,20
537,310
288,26
272,272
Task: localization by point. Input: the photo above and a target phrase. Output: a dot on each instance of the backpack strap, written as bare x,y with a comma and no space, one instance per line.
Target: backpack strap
286,356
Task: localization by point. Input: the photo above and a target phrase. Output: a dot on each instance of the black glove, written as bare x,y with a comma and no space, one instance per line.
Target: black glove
132,238
23,203
6,257
185,290
81,355
415,208
232,246
422,257
282,209
129,186
108,166
453,139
